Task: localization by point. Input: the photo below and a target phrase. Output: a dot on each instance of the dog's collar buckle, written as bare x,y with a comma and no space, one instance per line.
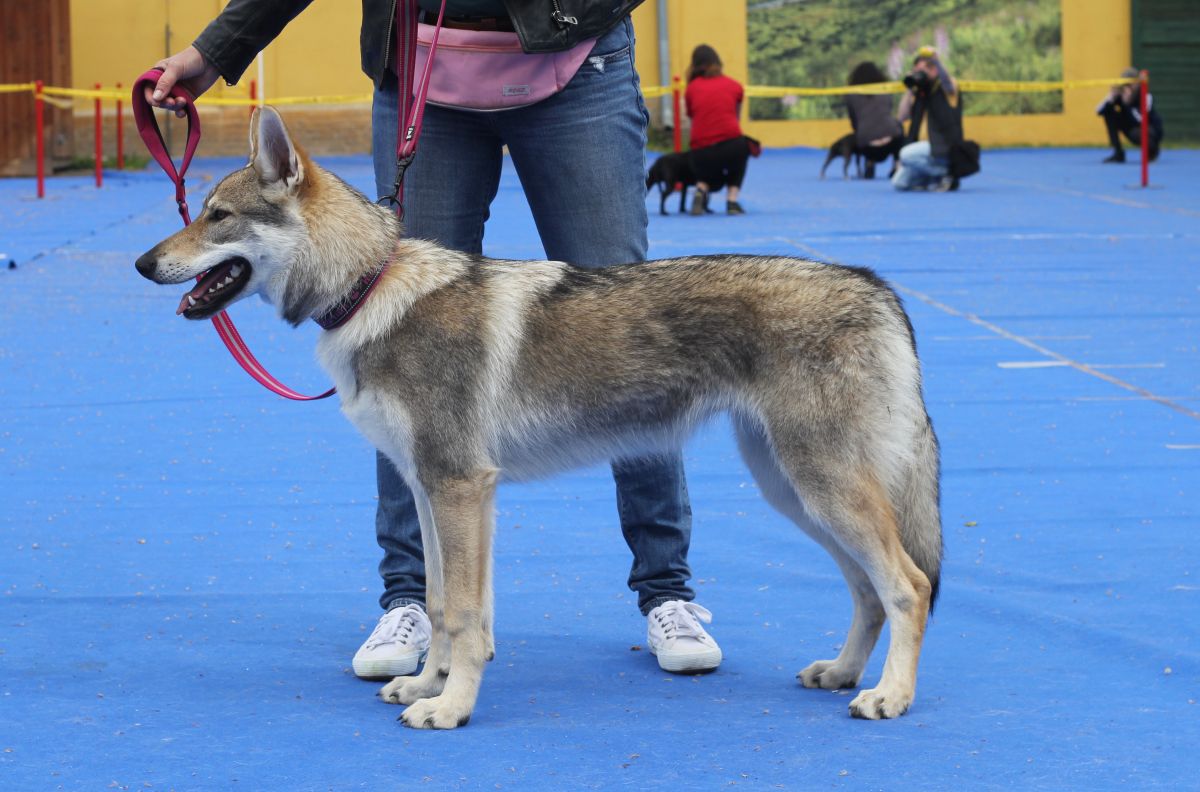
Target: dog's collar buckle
346,307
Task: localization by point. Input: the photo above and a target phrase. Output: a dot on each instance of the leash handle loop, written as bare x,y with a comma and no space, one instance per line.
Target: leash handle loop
411,104
147,125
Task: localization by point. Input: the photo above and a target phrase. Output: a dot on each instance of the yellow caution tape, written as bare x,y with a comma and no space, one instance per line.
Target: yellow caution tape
649,91
61,104
286,100
85,93
971,86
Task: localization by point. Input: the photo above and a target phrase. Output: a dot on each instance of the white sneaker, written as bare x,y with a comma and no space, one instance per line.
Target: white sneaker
677,639
396,645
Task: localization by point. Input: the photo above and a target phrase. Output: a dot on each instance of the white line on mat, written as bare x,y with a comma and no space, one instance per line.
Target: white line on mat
1023,341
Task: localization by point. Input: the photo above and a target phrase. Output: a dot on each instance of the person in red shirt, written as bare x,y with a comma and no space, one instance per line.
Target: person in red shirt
719,150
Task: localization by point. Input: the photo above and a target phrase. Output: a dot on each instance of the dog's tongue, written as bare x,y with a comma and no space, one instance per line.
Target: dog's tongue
206,281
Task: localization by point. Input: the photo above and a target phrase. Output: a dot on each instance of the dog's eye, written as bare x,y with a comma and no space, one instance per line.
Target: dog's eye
217,215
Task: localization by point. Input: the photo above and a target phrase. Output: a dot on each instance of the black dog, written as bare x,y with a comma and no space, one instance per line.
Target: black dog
845,148
667,171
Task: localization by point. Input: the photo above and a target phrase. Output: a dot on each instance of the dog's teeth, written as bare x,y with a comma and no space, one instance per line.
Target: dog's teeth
191,301
228,280
237,270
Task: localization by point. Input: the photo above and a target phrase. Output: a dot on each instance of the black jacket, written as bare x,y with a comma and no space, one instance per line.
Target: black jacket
246,27
945,120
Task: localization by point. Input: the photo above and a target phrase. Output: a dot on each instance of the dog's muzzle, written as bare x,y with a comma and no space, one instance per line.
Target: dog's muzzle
217,288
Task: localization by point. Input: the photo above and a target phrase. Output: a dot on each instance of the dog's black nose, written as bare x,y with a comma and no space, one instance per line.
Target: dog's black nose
146,264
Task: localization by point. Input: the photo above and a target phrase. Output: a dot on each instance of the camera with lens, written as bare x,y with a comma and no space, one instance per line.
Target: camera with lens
918,81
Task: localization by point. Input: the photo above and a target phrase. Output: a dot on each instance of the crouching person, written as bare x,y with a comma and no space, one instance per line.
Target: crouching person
925,165
1122,114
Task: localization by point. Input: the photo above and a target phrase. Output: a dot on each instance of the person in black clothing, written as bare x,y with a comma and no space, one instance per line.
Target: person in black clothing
932,92
1122,113
877,133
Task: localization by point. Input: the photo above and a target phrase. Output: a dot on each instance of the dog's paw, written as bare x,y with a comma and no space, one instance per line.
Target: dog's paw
878,703
406,690
436,713
828,675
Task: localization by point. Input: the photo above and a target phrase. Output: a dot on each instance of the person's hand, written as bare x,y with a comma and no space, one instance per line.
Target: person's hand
187,69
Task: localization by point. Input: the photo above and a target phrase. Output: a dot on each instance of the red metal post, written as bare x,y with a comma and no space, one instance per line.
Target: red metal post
253,95
120,135
678,114
39,111
99,143
1144,84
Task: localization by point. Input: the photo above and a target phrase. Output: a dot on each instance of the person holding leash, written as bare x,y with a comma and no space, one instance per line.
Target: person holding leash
579,152
719,150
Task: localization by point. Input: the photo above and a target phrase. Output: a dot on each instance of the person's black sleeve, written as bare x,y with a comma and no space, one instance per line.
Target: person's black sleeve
244,29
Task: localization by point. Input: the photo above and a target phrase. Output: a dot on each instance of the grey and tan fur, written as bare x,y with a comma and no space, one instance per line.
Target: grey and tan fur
461,369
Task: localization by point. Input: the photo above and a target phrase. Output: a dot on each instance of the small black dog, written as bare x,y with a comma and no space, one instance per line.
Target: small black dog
667,171
845,148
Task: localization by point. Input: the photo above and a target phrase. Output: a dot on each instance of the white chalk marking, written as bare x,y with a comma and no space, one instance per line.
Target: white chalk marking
1097,197
1023,364
998,338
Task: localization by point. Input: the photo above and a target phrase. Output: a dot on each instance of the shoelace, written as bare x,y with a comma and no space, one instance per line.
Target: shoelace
678,619
393,630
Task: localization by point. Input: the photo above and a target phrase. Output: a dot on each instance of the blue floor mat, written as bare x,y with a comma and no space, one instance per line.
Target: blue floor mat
188,561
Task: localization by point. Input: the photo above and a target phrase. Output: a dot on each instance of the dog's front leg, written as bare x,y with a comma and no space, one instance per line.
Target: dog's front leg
432,679
463,513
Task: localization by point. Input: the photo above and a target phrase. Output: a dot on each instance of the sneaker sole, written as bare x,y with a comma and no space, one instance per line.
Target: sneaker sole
698,663
386,669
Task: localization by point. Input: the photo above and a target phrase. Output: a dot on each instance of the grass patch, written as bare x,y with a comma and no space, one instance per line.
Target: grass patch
133,161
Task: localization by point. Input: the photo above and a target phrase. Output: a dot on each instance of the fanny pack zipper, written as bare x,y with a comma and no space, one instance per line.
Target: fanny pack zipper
559,17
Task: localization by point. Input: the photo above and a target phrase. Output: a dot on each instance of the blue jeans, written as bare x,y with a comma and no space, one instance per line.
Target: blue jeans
919,169
580,156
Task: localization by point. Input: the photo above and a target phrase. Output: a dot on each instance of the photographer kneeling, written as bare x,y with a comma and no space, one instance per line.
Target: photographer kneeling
931,92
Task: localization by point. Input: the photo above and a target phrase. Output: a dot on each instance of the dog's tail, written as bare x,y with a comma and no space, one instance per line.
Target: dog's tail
918,501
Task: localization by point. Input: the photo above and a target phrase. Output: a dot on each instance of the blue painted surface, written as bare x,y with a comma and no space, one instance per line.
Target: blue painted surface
187,562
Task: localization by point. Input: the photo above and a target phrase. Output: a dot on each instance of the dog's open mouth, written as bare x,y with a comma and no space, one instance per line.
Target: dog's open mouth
216,289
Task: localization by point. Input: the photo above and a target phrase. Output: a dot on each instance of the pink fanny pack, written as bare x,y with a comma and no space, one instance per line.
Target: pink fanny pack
488,70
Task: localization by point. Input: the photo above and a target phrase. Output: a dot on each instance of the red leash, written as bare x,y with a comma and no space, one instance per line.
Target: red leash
147,125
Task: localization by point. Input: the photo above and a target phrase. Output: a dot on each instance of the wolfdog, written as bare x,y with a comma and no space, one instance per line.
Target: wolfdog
460,368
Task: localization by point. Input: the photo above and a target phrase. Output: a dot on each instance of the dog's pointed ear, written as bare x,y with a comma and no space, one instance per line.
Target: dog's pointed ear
272,154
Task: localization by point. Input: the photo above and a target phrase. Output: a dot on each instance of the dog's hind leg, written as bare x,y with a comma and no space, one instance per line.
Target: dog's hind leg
846,670
828,159
463,516
830,468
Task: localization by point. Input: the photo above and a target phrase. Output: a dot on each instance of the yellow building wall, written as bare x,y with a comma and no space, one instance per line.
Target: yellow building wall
115,40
